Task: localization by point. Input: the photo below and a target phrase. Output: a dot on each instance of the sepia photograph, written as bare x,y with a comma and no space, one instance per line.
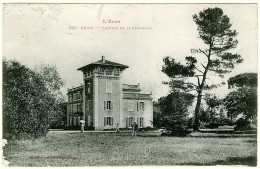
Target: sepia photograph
129,84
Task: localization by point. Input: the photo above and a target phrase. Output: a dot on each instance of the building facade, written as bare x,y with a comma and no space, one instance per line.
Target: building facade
103,101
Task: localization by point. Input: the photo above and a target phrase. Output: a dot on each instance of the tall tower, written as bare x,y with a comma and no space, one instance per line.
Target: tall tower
102,94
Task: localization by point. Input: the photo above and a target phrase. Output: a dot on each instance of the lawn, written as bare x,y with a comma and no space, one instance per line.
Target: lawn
112,149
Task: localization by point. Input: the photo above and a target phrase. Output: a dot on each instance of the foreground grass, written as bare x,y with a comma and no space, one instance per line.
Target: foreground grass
111,149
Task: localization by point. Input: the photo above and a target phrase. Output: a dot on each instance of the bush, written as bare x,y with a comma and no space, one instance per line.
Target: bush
242,124
148,128
213,125
225,121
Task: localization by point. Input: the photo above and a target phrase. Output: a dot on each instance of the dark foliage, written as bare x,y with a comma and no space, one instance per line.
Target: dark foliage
243,101
174,116
173,68
242,124
242,80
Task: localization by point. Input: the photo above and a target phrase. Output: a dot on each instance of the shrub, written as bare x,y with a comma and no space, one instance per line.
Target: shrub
242,124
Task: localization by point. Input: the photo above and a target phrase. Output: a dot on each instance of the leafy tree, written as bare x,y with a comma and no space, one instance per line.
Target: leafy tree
205,116
174,115
27,102
157,114
53,83
214,30
213,103
242,101
52,80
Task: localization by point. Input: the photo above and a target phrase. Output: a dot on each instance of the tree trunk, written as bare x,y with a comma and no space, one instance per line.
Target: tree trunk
201,87
196,125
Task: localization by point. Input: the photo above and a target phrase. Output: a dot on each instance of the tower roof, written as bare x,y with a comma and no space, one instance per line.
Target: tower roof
102,62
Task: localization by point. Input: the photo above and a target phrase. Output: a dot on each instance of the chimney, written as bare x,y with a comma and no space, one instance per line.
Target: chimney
103,59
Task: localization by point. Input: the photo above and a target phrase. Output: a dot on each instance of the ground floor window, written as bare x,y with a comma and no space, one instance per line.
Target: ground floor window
129,122
89,121
70,121
76,121
141,123
108,121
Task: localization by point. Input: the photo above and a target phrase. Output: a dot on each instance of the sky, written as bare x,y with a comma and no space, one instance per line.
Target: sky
36,33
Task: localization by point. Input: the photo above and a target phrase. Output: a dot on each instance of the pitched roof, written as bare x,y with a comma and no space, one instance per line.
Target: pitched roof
103,62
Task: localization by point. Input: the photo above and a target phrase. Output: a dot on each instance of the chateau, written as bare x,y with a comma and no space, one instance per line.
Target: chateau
103,101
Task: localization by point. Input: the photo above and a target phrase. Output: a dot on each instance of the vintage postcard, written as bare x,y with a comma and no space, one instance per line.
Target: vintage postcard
130,84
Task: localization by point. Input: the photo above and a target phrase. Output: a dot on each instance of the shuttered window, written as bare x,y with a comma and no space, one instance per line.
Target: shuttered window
142,106
70,122
108,87
141,122
129,121
88,104
108,121
89,121
108,105
74,121
88,87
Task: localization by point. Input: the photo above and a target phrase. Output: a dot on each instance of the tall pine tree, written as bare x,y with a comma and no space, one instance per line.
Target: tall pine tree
215,31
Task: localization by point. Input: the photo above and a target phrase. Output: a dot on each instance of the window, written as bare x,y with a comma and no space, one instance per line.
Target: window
100,71
88,104
74,108
108,72
108,121
70,98
78,96
141,124
141,105
74,121
79,108
129,121
89,121
130,106
88,88
108,87
116,72
108,105
70,121
70,108
74,96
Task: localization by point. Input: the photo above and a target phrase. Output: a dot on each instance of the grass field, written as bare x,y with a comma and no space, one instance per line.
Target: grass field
112,149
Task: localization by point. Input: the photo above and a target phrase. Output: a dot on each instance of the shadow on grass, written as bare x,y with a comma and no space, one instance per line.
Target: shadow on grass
251,141
248,161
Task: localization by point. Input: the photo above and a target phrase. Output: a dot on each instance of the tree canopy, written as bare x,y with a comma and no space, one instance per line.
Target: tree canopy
174,111
241,80
243,100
